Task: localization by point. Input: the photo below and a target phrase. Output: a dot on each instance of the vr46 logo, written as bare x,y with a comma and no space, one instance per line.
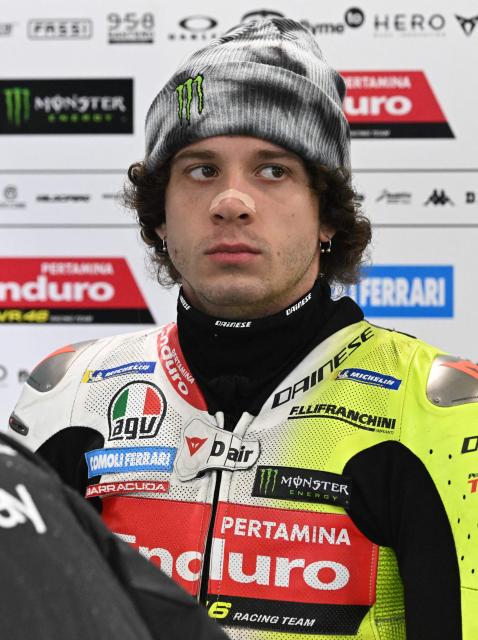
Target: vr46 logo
185,105
136,411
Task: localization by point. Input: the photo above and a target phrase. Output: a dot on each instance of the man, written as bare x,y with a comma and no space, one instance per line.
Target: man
296,468
65,575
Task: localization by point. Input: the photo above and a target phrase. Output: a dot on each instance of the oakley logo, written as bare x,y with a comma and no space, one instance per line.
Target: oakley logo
185,101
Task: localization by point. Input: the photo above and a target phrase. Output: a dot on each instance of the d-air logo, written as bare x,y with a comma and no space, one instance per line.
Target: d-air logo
205,447
303,485
136,412
17,102
185,105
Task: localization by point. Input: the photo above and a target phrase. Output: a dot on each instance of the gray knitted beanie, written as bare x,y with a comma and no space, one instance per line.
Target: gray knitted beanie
265,78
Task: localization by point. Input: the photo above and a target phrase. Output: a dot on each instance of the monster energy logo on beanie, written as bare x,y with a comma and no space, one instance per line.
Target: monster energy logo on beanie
302,485
186,105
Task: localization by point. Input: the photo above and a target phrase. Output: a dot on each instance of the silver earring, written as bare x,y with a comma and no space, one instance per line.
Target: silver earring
326,247
163,250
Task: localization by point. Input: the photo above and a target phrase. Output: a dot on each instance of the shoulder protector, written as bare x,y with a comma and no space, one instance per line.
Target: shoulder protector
48,373
452,381
48,394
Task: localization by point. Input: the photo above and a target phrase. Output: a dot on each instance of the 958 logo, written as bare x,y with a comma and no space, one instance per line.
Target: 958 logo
130,28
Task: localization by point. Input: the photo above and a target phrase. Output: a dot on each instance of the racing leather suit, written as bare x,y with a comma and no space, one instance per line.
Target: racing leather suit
334,502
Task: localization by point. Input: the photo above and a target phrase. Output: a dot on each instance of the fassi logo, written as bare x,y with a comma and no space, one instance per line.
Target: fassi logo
98,289
393,104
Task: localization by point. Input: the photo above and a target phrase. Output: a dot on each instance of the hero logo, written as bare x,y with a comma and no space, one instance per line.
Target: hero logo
393,104
136,412
98,289
264,553
176,369
405,291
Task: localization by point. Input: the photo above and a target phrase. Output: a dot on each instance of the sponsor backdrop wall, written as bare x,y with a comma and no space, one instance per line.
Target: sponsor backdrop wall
73,97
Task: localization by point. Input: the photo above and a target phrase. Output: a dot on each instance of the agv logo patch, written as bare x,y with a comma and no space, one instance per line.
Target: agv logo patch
136,411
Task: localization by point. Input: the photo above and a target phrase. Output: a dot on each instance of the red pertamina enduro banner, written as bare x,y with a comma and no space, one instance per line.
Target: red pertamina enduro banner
70,290
393,104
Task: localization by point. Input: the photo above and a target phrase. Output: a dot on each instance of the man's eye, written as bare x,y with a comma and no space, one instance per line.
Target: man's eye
203,172
273,172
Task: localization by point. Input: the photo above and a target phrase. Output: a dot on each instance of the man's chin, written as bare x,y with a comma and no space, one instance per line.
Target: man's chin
226,297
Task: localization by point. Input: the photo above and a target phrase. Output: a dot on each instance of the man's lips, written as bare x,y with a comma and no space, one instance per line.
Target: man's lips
238,247
232,252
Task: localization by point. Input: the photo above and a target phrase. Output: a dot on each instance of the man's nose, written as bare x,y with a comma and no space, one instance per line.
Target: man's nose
232,205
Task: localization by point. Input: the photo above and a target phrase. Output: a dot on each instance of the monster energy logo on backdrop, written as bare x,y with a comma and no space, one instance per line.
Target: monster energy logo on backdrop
17,101
185,105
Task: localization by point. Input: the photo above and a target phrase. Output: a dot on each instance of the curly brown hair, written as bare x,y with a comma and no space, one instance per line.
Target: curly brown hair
339,208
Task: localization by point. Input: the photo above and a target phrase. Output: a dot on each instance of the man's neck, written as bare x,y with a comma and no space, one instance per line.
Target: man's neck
239,362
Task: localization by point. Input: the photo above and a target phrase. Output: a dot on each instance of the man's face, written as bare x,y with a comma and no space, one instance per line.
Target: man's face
242,226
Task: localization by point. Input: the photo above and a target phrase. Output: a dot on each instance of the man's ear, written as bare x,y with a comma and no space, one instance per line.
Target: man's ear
161,230
326,233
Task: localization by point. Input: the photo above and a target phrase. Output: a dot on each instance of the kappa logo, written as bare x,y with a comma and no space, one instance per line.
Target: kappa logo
194,444
15,510
184,105
136,411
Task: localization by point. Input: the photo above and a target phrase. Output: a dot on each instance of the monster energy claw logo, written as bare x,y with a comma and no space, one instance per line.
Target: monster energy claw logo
188,86
267,480
17,101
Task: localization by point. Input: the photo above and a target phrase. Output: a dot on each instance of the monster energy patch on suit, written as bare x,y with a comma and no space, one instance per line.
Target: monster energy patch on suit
302,485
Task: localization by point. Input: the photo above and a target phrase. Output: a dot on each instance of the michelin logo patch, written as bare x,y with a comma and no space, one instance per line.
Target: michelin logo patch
127,459
98,375
369,377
